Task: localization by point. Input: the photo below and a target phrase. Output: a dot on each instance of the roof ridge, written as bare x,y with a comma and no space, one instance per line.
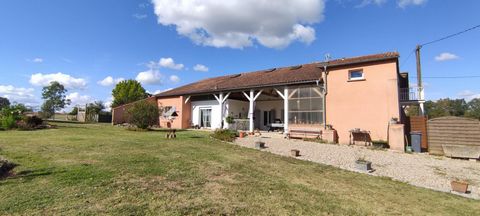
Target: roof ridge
279,75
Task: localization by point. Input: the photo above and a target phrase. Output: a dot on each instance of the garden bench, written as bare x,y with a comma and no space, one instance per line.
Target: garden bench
314,133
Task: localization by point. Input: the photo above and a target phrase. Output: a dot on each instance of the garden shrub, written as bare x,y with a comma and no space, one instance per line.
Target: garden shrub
30,123
8,122
225,135
143,114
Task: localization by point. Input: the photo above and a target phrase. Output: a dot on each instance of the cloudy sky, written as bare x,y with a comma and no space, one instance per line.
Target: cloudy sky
90,45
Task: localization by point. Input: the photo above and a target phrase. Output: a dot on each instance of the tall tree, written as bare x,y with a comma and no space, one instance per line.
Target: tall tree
94,109
474,108
128,91
55,98
4,102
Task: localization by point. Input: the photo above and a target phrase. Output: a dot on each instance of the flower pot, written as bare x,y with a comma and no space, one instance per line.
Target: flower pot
459,186
362,165
259,145
241,134
295,152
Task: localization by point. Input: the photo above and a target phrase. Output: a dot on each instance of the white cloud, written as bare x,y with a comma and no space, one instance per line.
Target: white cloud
19,95
400,3
140,16
446,57
405,3
369,2
37,60
170,63
77,99
150,77
242,23
68,81
108,103
109,81
468,95
174,78
201,68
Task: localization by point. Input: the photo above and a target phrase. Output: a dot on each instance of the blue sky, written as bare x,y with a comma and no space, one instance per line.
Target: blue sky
166,44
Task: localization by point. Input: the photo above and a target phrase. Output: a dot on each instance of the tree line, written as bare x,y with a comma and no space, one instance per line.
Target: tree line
449,107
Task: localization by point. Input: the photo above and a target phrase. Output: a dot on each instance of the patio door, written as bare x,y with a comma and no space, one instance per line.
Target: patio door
206,118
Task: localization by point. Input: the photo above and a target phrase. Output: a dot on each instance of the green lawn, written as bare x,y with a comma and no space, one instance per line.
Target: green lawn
100,169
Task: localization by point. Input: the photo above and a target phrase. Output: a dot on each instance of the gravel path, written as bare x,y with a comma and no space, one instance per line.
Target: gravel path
421,170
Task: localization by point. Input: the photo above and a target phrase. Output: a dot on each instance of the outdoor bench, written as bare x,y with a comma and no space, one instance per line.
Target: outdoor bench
305,133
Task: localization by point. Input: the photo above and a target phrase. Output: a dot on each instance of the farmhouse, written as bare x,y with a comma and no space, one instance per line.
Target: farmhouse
334,99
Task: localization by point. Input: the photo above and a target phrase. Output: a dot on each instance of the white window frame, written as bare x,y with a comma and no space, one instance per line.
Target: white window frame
350,78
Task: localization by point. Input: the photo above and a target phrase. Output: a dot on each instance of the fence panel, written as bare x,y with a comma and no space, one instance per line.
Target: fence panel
462,135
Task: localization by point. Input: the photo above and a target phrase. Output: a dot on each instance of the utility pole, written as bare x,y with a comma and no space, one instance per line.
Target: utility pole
420,95
419,66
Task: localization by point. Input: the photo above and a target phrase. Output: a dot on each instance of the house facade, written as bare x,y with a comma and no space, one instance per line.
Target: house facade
341,96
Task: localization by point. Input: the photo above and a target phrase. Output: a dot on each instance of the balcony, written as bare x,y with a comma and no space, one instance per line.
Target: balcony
412,95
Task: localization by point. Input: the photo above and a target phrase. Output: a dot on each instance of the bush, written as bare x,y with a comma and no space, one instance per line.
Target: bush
225,135
30,123
230,120
8,122
143,114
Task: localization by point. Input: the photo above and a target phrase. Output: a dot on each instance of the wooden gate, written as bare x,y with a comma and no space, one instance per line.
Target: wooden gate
418,124
454,137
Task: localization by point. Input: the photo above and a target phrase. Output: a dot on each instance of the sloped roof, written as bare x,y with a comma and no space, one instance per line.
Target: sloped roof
271,77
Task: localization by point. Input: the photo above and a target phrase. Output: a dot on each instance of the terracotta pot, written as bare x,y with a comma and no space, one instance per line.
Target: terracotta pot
459,186
241,134
295,152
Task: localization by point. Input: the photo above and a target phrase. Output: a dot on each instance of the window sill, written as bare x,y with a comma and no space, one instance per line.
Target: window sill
356,80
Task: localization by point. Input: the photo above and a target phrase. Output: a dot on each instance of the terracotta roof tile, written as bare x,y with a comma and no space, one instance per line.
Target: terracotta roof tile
279,76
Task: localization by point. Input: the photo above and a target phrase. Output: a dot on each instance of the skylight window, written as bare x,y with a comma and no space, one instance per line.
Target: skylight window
270,70
296,67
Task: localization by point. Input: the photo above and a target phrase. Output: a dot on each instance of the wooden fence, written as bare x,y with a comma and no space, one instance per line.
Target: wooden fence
454,136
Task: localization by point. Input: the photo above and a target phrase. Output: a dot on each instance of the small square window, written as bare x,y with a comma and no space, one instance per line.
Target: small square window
355,75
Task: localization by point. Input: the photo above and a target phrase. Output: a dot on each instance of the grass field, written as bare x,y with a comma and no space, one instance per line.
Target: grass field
100,169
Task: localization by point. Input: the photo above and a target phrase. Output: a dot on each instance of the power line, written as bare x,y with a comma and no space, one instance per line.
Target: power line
450,36
451,77
408,57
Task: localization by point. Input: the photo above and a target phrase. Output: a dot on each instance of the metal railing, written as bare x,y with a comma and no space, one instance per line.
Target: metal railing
412,94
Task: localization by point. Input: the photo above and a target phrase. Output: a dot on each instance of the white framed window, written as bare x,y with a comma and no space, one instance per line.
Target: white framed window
354,75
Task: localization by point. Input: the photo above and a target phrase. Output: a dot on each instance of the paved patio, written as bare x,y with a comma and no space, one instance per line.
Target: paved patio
421,170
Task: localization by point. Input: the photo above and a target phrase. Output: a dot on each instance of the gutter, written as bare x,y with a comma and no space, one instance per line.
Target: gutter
241,89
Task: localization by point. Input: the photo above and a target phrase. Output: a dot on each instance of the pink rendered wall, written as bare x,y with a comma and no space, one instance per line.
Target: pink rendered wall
367,104
183,110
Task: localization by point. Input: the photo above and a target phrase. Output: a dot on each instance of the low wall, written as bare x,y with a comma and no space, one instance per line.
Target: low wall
119,112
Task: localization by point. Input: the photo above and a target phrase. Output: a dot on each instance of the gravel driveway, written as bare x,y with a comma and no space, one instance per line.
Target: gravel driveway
421,170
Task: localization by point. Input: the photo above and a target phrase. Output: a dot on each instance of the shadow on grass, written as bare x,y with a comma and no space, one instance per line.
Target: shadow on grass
63,121
31,174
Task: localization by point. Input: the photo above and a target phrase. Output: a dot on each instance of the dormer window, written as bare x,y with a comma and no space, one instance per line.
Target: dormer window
355,75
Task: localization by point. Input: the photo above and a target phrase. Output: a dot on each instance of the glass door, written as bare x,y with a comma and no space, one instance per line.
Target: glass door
206,118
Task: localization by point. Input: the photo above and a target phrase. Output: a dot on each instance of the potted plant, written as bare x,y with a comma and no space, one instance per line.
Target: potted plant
241,134
363,165
230,120
459,186
394,121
